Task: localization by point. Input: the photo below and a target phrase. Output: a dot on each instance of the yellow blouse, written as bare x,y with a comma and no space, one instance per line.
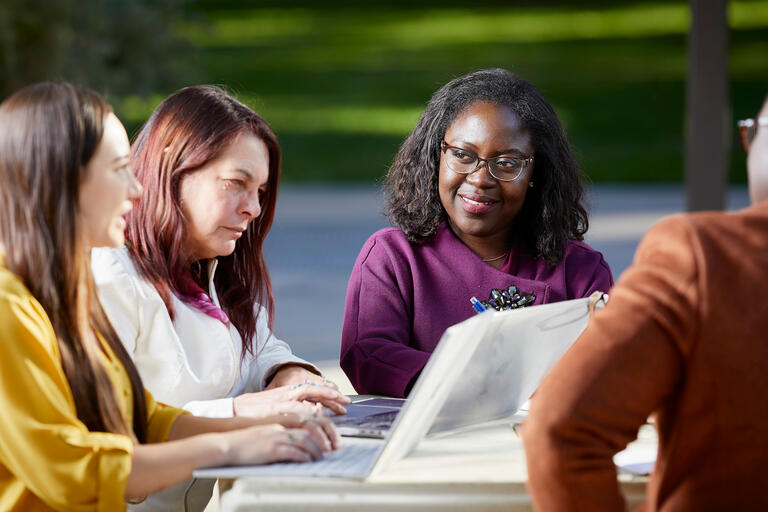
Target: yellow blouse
49,460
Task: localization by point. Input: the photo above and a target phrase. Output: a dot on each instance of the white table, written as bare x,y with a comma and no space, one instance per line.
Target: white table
481,470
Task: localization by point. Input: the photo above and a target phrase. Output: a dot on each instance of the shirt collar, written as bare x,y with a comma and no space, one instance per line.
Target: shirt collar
213,264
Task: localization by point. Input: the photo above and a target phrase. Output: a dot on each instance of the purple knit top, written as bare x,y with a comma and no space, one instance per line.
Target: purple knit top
402,296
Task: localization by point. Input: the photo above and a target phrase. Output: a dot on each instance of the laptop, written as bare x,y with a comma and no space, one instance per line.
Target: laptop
483,369
370,417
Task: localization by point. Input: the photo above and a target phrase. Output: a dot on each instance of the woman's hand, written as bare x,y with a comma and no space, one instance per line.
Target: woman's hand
293,437
292,374
204,442
265,444
302,398
320,426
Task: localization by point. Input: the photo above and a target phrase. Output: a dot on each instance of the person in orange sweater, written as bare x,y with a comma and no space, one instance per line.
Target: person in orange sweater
683,338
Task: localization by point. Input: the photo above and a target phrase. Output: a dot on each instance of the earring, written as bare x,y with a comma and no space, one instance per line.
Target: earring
530,184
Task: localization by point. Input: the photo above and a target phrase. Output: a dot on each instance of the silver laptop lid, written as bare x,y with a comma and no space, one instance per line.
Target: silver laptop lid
507,367
485,368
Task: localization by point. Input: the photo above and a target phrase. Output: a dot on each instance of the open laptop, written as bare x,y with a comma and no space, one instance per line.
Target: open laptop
369,417
484,368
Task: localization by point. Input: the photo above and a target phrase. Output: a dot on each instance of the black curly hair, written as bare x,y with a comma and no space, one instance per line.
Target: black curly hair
554,211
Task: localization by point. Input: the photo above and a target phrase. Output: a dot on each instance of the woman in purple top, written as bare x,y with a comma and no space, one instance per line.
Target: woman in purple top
485,193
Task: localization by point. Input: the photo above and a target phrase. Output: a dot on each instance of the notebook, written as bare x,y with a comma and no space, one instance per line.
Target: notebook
484,368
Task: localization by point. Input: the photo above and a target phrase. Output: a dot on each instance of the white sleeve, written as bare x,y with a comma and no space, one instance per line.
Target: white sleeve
270,353
220,408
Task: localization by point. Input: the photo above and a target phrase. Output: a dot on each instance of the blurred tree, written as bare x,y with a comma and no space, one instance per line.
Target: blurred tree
113,46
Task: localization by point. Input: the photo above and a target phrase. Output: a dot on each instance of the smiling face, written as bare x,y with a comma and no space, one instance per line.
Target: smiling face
481,208
221,198
105,195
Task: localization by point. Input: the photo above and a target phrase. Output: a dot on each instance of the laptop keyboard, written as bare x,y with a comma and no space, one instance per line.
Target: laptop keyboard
354,459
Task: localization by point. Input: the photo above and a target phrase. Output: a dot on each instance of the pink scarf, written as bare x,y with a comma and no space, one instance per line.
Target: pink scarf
191,293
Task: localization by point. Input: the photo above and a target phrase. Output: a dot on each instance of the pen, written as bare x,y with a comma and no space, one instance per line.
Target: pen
477,304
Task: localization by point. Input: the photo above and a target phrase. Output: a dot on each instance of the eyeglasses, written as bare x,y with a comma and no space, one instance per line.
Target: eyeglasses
748,129
503,168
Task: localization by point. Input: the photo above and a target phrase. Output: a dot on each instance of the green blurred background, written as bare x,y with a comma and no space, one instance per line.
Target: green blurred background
343,83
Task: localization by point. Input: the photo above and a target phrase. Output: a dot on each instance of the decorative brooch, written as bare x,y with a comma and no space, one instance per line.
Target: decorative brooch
504,300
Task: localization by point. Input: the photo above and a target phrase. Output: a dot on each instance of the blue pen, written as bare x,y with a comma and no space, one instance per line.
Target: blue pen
477,304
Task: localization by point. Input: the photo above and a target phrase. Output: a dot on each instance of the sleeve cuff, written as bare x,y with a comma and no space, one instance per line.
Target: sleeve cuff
161,422
112,468
220,408
276,366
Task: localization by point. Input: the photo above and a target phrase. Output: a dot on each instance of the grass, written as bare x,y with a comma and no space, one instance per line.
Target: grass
343,85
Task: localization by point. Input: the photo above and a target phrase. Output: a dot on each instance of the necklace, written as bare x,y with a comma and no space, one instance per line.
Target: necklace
494,259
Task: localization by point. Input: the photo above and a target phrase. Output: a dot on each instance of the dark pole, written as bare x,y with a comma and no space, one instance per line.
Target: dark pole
707,116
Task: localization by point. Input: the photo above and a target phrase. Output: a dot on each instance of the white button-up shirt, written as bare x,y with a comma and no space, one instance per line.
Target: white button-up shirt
193,361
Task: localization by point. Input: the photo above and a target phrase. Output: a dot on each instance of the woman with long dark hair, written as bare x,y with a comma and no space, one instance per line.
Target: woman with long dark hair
189,294
78,429
487,199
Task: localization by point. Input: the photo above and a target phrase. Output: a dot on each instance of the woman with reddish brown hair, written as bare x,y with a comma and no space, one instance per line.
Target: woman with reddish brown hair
189,295
79,432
